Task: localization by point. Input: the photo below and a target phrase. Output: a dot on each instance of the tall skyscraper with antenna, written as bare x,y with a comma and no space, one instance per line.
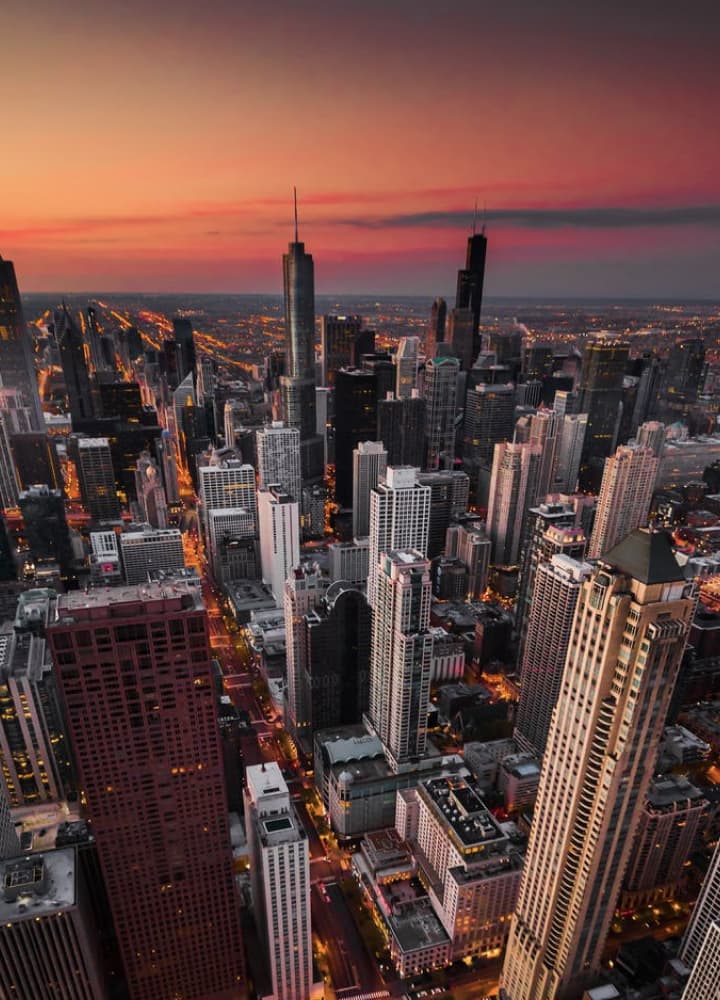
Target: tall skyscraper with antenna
17,369
470,281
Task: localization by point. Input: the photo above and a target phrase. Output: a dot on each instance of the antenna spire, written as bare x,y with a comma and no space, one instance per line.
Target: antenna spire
296,222
484,224
474,218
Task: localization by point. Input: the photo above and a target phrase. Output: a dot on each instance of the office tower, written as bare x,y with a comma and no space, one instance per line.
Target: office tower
9,486
570,439
145,552
314,499
460,328
9,843
706,912
551,531
16,359
278,455
45,527
235,412
401,428
627,640
279,524
105,568
600,394
399,518
355,421
34,752
435,332
537,361
165,452
489,420
337,671
507,345
667,833
224,483
555,594
468,542
342,343
652,435
349,561
153,784
304,588
96,477
449,494
683,377
441,375
73,359
543,431
625,495
232,544
649,390
513,490
280,871
369,465
702,984
297,386
401,655
48,938
7,561
322,415
185,341
149,491
470,283
35,459
406,363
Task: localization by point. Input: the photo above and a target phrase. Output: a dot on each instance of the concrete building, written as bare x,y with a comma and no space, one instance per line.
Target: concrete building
406,364
134,665
518,780
705,913
149,492
399,518
625,496
278,456
97,478
349,561
280,871
304,588
148,550
441,375
48,944
703,981
468,541
684,460
570,441
627,640
401,655
513,490
232,544
449,498
448,656
279,519
225,482
369,466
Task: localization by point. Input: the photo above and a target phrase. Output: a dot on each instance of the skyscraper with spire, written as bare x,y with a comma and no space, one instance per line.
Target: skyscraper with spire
470,282
17,369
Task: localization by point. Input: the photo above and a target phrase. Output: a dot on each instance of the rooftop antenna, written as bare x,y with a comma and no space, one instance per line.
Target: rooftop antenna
474,218
484,225
296,222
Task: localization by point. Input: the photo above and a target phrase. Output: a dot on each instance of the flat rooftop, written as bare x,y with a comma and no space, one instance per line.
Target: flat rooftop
462,810
416,926
172,589
37,885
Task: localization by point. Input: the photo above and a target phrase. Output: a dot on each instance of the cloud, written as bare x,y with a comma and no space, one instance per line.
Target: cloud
550,218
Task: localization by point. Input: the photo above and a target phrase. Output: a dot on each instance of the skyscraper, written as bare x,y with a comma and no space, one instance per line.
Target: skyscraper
134,665
342,343
705,914
73,358
401,428
513,490
280,870
406,363
460,336
279,524
570,440
470,284
399,518
627,640
278,456
401,655
304,588
46,528
226,482
16,360
449,492
97,478
625,495
600,394
555,593
355,421
146,551
151,500
489,419
184,338
435,333
441,376
369,465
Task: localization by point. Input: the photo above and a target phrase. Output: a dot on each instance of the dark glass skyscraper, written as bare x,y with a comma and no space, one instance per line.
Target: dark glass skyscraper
355,421
17,367
298,384
470,284
73,359
600,396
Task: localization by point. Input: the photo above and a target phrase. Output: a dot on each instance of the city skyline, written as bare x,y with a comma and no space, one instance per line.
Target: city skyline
598,166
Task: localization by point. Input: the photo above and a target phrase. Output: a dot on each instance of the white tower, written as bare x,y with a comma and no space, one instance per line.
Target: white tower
513,490
369,467
279,517
278,454
399,517
625,495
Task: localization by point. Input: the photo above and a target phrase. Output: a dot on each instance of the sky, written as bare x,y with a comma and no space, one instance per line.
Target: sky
153,145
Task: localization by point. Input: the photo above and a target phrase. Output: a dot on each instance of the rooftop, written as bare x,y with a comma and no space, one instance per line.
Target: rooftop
646,555
462,810
37,885
77,601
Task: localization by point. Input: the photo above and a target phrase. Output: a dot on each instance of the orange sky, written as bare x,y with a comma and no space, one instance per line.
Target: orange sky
157,149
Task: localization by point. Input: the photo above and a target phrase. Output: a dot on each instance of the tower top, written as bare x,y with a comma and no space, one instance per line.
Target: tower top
296,217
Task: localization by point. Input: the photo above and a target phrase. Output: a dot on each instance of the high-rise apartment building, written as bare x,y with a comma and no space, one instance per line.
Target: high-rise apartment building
441,376
399,518
134,665
16,359
97,477
225,483
627,640
48,942
279,522
150,550
702,984
652,435
401,655
570,440
470,283
449,496
280,870
555,594
705,913
406,365
278,457
304,588
369,465
468,541
401,428
513,490
625,496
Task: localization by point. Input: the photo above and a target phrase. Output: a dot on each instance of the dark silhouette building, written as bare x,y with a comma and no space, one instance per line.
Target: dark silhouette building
401,428
435,333
600,395
470,283
46,530
73,359
355,421
16,359
343,342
